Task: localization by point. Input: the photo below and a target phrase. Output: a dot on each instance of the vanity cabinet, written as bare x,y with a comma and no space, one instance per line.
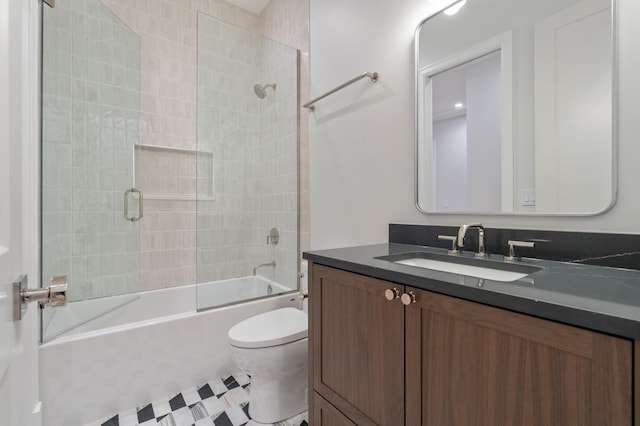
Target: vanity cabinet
356,348
447,361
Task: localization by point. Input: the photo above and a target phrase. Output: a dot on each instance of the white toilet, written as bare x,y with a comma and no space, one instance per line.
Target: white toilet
272,349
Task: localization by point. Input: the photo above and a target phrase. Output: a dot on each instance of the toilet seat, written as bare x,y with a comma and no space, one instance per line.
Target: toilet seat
272,328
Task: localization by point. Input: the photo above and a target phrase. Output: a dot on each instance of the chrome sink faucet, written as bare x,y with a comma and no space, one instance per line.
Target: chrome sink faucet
462,232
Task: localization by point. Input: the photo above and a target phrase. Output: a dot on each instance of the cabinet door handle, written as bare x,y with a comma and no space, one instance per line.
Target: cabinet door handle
408,298
392,293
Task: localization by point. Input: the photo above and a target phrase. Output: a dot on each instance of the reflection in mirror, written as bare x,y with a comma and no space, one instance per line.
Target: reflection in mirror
466,133
514,108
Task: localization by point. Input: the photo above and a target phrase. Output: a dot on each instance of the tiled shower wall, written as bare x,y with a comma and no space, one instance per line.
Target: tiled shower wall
167,32
168,106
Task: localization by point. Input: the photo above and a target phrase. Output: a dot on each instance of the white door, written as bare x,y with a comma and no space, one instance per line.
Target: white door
573,74
18,201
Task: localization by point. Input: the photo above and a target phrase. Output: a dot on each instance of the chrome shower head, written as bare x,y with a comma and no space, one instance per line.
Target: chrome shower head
261,91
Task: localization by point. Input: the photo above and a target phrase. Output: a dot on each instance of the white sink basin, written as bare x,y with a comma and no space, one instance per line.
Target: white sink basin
471,271
477,268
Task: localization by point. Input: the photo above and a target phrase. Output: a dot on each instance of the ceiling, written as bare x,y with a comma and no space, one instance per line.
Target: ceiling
254,6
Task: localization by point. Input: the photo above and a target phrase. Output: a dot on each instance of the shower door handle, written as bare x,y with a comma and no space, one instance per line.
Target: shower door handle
126,204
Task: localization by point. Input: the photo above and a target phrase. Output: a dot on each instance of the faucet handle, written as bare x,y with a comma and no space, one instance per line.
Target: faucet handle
512,244
454,246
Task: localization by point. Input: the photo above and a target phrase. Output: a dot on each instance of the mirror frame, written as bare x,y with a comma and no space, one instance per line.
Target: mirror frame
418,97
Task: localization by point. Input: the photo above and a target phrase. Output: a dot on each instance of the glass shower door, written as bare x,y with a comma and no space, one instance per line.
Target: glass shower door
90,126
247,173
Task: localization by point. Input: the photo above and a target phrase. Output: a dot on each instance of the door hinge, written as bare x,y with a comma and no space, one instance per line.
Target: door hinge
52,296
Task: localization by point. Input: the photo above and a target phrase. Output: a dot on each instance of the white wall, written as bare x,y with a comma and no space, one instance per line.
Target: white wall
361,141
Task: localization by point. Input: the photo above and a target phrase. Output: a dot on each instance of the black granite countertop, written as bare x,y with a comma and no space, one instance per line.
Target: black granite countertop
595,297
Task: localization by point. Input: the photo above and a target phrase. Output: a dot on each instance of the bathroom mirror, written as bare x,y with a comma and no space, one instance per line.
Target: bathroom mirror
515,108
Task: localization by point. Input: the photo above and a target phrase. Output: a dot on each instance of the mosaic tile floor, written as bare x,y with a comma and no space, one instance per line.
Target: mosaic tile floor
223,402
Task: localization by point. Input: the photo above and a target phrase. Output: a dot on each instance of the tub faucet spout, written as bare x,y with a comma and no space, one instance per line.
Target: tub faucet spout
255,269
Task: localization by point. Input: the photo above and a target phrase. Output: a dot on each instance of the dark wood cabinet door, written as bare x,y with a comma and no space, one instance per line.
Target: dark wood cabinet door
357,346
325,414
470,364
636,382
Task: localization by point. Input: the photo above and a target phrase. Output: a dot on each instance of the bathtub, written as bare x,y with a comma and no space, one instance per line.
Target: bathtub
150,348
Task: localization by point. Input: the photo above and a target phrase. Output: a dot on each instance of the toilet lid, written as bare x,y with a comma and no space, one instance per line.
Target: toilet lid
272,328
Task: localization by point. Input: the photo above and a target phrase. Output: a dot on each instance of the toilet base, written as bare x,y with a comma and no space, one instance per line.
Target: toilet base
272,401
278,366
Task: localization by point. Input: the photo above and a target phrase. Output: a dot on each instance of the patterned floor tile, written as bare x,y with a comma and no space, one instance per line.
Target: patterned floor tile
177,402
220,402
237,416
205,392
113,421
236,396
205,422
191,396
161,408
222,420
218,387
183,416
128,418
146,413
166,420
214,406
242,379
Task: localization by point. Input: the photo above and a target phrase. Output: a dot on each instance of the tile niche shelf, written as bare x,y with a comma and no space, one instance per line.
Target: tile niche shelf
164,173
